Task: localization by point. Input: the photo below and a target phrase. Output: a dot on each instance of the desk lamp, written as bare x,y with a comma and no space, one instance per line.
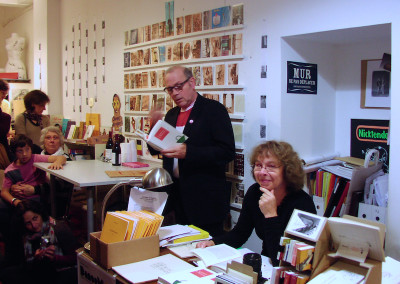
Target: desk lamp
156,180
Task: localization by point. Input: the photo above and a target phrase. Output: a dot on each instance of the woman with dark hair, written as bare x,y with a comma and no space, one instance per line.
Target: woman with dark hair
49,248
269,203
5,122
31,122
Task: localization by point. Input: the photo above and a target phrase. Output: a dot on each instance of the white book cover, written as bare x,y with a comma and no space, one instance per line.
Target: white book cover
151,269
163,136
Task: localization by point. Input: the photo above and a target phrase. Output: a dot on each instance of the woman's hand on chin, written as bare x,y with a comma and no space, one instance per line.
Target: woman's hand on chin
267,203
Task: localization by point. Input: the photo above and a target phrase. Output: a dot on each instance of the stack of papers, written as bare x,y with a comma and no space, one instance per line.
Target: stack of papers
180,234
127,225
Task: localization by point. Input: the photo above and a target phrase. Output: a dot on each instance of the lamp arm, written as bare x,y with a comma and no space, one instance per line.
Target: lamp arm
133,182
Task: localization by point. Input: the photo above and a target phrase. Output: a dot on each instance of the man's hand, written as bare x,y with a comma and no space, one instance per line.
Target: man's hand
267,203
178,151
205,244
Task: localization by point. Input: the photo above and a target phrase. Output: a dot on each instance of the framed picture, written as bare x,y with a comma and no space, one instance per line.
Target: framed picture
375,85
305,225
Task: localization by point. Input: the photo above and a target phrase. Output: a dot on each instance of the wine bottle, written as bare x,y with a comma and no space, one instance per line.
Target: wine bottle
116,152
109,146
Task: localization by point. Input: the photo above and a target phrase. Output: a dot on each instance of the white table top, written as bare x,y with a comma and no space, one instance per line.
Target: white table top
85,173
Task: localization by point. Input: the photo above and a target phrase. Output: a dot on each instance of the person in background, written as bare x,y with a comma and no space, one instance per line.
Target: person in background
32,121
268,204
49,248
199,195
5,123
52,142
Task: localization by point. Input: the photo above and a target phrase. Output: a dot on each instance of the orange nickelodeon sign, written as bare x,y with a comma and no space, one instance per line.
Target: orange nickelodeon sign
372,133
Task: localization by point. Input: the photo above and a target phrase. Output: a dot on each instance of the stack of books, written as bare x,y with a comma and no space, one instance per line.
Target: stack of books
128,225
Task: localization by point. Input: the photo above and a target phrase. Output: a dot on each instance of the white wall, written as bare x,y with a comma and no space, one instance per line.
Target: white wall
276,19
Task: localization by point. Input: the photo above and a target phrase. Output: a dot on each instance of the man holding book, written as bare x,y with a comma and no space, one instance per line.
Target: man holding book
199,195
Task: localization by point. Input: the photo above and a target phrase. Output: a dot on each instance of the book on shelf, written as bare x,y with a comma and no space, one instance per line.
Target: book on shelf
163,136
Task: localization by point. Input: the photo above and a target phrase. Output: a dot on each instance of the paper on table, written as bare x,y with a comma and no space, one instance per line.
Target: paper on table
151,269
141,199
390,271
340,272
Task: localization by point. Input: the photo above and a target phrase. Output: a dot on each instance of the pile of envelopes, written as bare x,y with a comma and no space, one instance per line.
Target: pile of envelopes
128,225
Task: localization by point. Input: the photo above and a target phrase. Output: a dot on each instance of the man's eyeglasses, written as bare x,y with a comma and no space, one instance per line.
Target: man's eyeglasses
269,168
178,87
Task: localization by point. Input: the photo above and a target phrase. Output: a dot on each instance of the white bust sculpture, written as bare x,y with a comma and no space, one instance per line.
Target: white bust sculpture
15,48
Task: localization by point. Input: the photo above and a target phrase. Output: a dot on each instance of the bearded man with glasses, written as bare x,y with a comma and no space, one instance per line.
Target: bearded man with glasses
199,195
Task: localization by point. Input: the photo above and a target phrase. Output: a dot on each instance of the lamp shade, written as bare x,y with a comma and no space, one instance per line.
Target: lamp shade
156,179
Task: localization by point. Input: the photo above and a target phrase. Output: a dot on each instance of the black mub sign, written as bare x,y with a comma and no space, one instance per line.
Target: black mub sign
301,78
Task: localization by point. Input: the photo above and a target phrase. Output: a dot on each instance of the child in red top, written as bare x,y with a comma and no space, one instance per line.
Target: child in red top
21,176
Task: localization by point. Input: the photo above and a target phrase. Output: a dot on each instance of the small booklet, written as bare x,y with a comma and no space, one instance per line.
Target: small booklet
162,136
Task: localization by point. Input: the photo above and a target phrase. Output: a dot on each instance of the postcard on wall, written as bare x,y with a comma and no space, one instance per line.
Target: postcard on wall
161,78
180,26
127,41
126,81
127,59
132,102
216,46
146,56
162,30
205,48
161,53
214,97
188,23
237,14
207,18
140,35
154,55
140,57
138,80
127,103
236,44
196,75
196,48
233,74
221,17
145,80
134,37
132,80
134,59
127,122
187,50
145,103
302,78
225,45
305,225
137,102
169,18
169,103
197,22
177,52
160,102
169,49
208,76
153,79
228,100
154,31
239,103
147,33
220,74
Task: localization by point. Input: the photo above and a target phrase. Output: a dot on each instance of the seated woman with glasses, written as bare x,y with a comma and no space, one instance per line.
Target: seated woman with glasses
269,203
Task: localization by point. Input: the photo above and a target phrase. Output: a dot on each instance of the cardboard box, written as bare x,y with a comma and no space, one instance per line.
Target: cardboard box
109,255
89,272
